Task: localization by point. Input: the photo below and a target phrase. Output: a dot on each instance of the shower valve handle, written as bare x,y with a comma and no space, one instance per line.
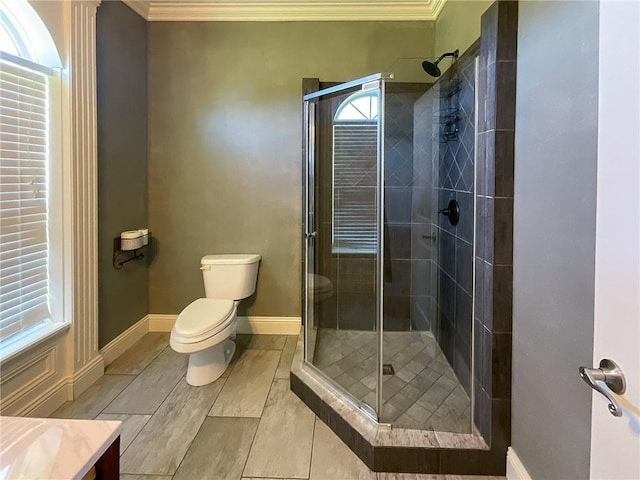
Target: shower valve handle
452,211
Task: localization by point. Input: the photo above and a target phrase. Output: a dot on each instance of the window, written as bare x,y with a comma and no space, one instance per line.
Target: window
26,79
355,151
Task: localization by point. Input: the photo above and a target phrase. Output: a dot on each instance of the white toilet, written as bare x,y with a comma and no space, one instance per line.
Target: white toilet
204,328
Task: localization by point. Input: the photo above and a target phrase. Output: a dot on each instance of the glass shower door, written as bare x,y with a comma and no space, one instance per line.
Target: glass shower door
342,237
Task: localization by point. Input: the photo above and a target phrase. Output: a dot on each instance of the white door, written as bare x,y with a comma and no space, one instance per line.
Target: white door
615,441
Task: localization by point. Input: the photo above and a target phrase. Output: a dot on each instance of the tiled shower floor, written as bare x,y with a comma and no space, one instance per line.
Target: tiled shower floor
424,393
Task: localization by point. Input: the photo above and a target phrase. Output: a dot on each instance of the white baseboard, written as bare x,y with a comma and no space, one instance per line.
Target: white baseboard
87,376
269,325
160,322
515,468
49,401
254,325
125,340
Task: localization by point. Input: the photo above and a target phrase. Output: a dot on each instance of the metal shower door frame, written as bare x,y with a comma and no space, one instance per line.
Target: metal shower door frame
376,81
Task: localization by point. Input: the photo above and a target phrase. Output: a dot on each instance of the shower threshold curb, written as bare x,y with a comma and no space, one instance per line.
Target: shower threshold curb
386,449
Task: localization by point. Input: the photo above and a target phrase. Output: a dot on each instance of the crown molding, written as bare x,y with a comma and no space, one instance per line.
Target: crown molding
283,11
436,8
141,7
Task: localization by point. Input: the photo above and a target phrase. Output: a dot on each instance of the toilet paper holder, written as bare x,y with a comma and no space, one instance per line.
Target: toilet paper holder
131,255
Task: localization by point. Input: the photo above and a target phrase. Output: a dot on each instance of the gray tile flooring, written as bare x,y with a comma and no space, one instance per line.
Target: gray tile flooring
424,393
175,431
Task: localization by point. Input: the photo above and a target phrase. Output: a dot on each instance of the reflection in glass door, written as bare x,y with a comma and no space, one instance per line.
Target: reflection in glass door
342,249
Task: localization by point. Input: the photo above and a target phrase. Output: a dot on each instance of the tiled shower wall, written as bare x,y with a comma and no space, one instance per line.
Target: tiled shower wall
353,305
399,289
443,252
423,239
494,229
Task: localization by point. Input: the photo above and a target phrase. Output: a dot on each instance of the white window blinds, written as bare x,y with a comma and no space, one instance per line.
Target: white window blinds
355,147
24,284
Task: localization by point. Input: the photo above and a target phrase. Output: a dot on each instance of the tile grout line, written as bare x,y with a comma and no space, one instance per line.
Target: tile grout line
150,418
136,376
224,381
273,381
147,365
313,444
155,411
137,434
186,452
150,415
256,432
102,411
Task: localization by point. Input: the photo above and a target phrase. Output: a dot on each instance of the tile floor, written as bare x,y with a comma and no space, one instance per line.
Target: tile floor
247,424
423,394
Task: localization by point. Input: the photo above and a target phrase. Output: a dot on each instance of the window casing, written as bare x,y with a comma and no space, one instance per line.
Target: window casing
30,183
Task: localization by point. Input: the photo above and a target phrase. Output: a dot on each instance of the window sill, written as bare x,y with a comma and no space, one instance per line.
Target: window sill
38,336
352,251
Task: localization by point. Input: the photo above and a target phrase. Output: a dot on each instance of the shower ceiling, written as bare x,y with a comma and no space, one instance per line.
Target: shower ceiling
286,10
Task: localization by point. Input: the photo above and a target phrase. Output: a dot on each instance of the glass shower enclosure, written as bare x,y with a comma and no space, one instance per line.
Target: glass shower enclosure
388,281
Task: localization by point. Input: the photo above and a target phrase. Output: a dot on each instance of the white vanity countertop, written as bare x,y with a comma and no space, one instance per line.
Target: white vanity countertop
51,448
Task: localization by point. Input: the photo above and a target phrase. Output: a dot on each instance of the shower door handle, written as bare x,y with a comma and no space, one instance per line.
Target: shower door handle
610,374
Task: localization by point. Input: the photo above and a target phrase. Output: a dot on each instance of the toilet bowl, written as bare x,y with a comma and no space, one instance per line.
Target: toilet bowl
206,327
322,287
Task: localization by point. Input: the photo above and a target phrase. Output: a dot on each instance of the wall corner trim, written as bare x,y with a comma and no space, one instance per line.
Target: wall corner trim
160,322
87,375
141,7
515,467
246,325
125,340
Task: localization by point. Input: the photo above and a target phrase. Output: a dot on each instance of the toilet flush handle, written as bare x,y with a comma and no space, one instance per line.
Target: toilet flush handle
205,267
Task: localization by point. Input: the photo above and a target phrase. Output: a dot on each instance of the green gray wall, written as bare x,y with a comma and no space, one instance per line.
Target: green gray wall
554,252
121,52
225,140
458,26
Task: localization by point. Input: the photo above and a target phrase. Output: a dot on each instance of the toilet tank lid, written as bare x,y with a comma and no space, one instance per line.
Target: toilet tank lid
233,259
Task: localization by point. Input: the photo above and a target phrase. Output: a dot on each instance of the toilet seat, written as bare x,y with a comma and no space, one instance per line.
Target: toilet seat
202,319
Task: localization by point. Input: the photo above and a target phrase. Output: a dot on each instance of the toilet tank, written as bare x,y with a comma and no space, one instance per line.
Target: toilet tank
231,277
